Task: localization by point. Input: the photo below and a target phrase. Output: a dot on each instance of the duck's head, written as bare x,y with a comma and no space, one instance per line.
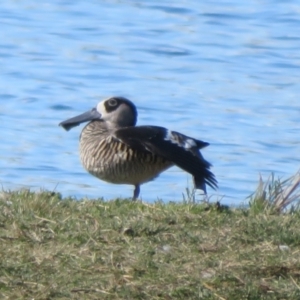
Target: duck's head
116,112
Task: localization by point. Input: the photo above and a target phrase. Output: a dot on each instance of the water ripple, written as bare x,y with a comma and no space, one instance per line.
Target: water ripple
225,72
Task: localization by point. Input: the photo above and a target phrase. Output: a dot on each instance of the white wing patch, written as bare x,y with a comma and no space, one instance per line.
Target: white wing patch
180,140
189,143
170,137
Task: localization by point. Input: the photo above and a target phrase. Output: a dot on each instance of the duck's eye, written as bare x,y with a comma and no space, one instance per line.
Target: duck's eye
112,102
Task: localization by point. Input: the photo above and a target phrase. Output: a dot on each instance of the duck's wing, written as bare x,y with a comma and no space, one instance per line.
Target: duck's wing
180,149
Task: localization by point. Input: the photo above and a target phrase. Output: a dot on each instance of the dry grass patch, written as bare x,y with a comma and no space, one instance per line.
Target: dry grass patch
53,248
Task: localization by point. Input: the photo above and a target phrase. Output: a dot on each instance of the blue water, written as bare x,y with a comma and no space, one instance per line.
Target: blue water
226,72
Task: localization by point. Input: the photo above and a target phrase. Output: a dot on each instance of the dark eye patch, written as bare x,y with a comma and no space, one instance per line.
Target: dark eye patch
111,104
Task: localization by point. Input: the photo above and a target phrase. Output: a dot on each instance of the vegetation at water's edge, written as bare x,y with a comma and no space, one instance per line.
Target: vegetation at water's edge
53,248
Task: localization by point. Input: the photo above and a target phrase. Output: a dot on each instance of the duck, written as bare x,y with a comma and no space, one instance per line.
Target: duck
115,150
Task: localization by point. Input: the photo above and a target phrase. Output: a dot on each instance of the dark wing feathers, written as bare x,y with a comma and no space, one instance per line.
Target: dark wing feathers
182,150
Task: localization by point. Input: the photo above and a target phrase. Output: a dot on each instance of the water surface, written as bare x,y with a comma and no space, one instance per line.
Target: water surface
225,72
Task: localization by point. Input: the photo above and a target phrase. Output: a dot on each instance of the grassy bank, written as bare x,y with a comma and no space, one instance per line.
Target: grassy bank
53,248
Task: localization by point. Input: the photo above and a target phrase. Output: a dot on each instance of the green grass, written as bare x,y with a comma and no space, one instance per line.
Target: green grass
53,248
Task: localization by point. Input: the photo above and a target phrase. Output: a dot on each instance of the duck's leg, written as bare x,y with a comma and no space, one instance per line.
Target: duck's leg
136,192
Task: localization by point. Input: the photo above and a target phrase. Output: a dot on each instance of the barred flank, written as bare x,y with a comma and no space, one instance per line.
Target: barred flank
111,160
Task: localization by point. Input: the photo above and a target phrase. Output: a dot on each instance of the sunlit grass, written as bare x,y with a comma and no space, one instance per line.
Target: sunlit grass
54,248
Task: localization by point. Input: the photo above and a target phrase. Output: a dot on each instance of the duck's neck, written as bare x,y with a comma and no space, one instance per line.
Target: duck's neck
94,128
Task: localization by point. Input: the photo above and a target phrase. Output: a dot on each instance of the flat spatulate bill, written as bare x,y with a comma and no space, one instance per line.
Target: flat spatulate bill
90,115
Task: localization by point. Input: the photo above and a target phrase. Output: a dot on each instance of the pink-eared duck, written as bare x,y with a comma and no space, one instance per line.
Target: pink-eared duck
113,149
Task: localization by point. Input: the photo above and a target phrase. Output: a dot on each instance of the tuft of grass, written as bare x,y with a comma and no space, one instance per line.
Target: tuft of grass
58,248
276,195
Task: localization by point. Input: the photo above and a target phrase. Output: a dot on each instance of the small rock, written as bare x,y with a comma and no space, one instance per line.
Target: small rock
284,248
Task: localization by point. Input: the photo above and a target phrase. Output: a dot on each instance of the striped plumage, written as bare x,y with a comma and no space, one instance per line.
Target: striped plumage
113,149
107,158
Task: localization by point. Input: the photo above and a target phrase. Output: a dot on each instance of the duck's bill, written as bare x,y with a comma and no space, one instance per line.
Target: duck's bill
85,117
